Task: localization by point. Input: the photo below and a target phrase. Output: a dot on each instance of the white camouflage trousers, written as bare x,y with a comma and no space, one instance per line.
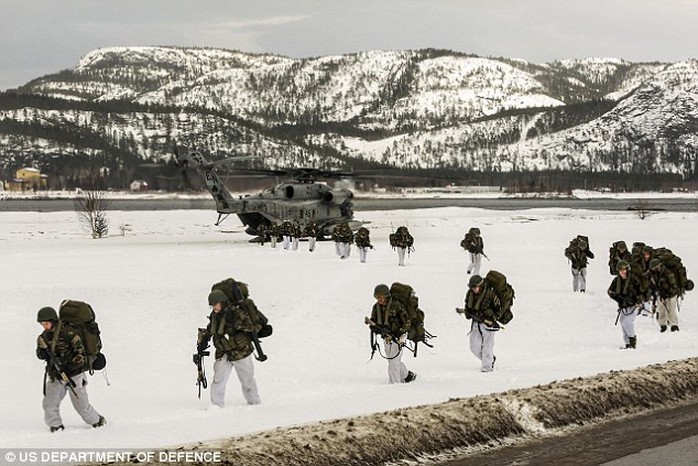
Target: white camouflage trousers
627,323
667,311
397,371
245,371
311,243
400,256
286,241
475,262
55,392
482,345
579,279
362,254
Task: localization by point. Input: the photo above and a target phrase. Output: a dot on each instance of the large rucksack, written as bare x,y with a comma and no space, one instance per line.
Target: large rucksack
401,238
673,262
239,294
80,317
406,296
504,293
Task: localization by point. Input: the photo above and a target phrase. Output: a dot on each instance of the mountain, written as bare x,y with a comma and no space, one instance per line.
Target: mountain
418,109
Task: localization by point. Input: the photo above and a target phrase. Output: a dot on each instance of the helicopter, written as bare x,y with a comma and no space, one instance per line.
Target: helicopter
302,199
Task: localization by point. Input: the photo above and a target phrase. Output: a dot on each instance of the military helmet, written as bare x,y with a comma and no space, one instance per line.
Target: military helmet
46,313
647,248
654,263
381,290
622,265
582,244
475,280
216,296
622,246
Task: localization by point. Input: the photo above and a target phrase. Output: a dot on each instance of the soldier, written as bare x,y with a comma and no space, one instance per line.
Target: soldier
230,326
64,353
481,307
578,253
390,319
296,234
286,230
344,237
618,252
262,232
363,242
311,234
401,240
665,289
273,234
475,246
626,290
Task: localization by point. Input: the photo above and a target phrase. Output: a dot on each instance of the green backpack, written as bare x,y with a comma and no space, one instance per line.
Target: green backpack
505,295
406,296
673,262
238,293
80,318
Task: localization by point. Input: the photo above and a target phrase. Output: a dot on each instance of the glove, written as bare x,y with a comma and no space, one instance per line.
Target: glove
41,343
42,353
491,326
401,341
201,347
388,338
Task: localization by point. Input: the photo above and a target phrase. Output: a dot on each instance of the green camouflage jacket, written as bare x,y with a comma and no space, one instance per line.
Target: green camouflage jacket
231,330
393,317
481,307
626,292
664,283
68,349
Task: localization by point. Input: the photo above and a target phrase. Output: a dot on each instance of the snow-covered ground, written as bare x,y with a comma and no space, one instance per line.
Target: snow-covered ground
149,289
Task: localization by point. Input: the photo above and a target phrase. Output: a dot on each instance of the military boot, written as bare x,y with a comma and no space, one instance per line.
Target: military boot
633,342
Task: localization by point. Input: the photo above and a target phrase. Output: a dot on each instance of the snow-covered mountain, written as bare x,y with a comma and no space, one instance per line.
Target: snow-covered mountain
413,109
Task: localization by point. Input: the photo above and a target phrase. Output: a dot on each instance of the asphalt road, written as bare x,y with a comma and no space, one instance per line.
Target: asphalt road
363,204
659,437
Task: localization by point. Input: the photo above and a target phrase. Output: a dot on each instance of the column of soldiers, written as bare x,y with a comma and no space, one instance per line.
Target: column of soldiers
644,278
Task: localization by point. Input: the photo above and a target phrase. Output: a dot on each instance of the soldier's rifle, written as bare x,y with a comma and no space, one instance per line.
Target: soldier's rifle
385,333
492,326
201,369
57,366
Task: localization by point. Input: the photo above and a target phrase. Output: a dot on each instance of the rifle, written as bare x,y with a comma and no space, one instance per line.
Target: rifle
385,332
618,316
201,368
53,362
491,326
261,357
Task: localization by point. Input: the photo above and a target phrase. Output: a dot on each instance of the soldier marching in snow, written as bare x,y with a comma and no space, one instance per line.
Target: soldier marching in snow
231,327
311,233
578,253
343,237
402,241
64,353
487,301
475,246
286,230
391,320
363,242
665,290
616,253
626,290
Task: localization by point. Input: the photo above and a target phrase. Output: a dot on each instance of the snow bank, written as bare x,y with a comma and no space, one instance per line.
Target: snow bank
479,422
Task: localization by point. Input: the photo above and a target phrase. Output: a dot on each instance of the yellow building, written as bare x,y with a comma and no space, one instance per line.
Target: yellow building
27,179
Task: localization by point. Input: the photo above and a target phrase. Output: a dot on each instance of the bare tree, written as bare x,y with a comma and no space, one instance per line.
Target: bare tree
91,207
642,209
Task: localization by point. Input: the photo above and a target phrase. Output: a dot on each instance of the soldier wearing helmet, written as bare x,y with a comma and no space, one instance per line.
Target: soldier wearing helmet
480,306
664,289
390,319
626,290
475,247
618,252
230,327
64,352
578,253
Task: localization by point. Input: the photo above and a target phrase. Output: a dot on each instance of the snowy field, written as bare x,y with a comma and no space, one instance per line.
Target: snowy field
149,290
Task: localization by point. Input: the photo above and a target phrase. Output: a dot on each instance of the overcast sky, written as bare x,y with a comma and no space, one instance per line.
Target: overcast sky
38,37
